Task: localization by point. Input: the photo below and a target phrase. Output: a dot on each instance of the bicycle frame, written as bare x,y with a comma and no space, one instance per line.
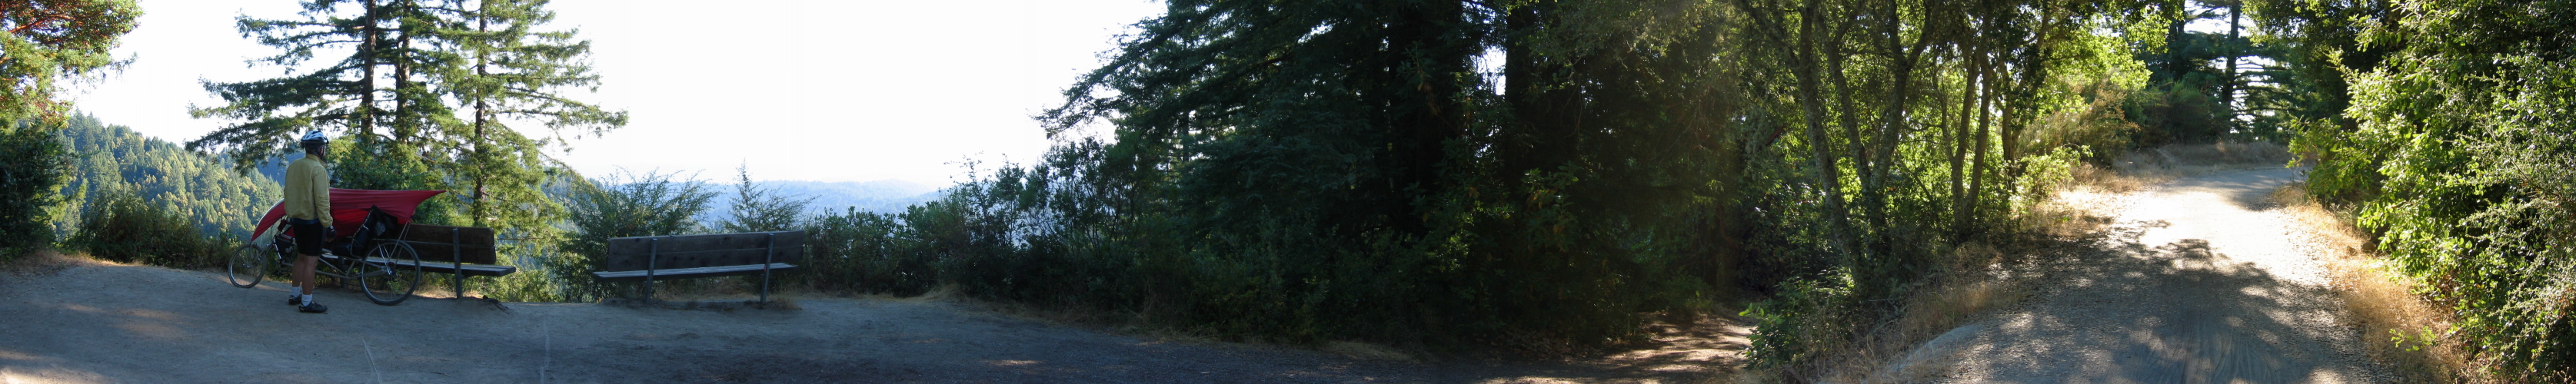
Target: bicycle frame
369,222
338,266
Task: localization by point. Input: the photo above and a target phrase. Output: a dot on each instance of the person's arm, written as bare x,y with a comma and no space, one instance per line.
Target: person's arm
321,192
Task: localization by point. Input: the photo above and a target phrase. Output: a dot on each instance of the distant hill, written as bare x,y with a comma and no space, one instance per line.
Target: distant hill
881,196
113,159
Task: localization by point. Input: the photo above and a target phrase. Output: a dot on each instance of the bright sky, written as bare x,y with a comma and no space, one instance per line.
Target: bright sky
827,90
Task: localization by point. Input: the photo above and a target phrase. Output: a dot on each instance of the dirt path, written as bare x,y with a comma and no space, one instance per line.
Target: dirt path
2197,282
83,321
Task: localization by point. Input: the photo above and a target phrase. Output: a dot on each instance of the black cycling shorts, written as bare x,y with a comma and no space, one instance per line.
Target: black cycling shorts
308,238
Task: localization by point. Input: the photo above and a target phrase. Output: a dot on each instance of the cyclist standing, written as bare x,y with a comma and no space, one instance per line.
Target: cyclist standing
308,217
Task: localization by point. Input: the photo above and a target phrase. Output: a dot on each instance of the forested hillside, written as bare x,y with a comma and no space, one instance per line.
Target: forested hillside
110,160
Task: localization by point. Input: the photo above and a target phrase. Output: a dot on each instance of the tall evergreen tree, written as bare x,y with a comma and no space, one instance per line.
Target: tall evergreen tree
512,71
415,66
759,208
377,96
344,93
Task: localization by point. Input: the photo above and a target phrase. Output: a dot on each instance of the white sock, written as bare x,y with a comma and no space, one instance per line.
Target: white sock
308,299
294,295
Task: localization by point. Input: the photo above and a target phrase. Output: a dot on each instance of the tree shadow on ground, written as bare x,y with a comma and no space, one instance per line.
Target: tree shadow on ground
2128,311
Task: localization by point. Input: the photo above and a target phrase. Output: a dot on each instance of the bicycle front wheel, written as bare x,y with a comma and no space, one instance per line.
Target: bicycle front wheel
248,264
390,273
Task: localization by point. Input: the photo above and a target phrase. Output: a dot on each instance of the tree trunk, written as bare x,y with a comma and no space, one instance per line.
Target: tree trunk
1977,166
2227,88
405,125
1891,125
482,117
1811,101
1970,106
367,51
1865,167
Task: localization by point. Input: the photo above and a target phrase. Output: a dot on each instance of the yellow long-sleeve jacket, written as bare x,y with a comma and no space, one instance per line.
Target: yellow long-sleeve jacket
308,190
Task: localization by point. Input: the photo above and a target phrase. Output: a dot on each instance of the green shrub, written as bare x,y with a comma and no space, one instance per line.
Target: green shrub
32,167
2459,159
535,281
864,252
123,228
1804,314
619,205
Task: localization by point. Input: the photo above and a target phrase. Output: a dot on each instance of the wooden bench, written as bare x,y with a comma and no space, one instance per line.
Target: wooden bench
677,257
459,251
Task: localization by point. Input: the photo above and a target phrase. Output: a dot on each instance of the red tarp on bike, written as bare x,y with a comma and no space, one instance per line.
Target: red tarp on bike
349,208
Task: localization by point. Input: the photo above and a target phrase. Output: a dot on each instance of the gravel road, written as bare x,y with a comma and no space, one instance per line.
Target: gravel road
2197,282
75,320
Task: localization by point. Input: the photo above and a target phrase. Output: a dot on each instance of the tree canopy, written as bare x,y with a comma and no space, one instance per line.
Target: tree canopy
426,98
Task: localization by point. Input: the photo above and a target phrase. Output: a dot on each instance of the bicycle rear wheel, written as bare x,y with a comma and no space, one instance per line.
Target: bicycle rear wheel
248,264
390,273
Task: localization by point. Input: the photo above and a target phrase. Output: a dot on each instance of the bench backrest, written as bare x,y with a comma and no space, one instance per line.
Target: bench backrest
692,251
441,244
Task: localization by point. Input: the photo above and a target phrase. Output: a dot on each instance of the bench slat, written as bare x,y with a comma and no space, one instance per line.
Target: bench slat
684,260
691,243
440,252
676,273
437,243
444,267
470,269
693,251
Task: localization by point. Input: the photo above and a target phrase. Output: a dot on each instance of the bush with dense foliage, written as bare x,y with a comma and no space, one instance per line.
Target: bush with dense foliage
2459,152
618,205
32,166
123,228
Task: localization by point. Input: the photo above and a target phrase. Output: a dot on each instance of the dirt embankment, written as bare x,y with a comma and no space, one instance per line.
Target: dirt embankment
74,320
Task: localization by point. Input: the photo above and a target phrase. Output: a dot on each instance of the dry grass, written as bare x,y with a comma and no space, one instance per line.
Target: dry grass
2074,212
2406,326
1976,282
44,262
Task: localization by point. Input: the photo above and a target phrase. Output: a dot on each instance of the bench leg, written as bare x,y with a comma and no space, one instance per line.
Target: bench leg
456,258
768,254
652,261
